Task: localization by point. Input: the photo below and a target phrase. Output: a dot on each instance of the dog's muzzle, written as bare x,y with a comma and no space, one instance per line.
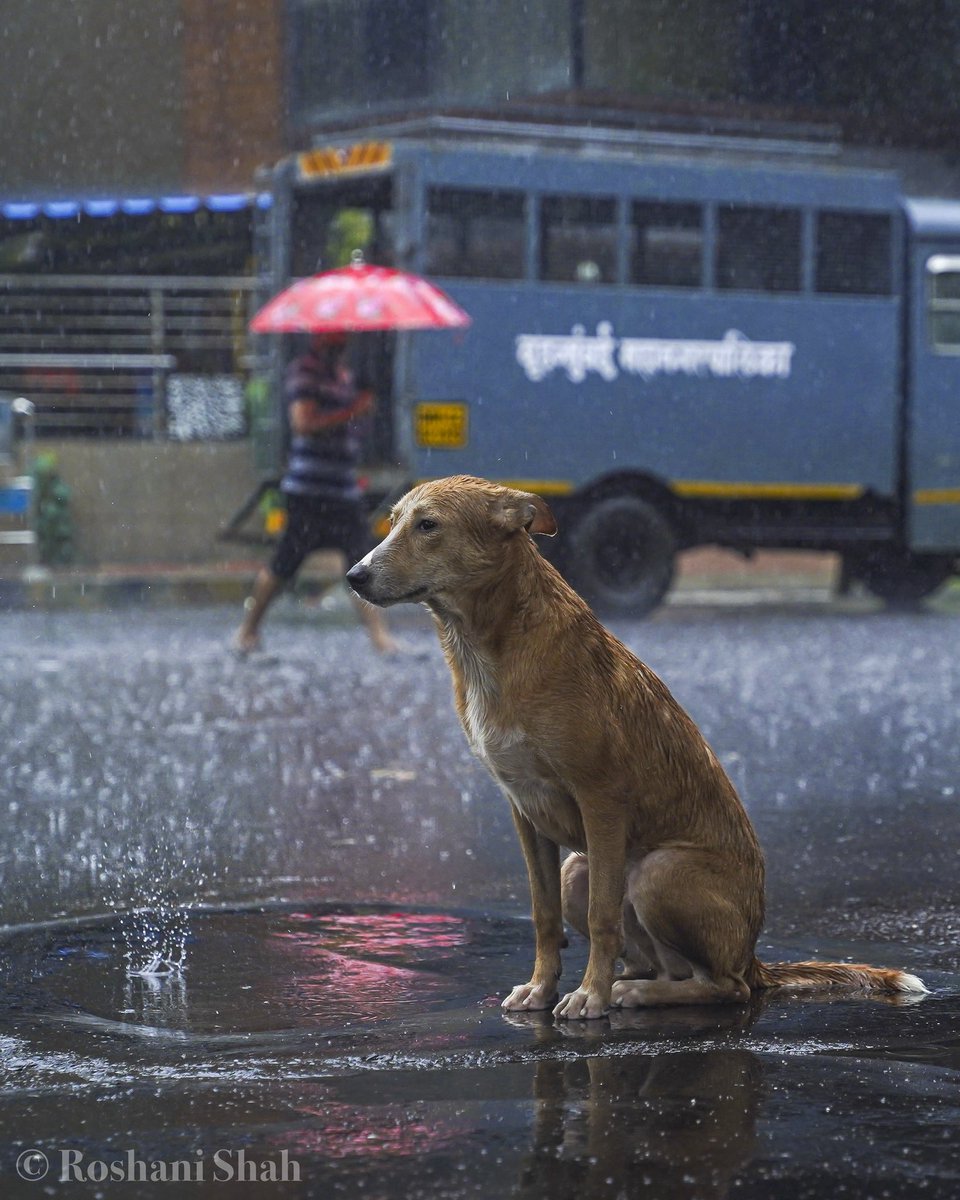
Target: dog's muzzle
359,577
363,582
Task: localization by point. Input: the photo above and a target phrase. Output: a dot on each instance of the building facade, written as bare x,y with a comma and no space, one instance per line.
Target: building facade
132,134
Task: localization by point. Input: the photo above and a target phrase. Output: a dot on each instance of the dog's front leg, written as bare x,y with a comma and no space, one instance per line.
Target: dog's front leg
543,869
606,862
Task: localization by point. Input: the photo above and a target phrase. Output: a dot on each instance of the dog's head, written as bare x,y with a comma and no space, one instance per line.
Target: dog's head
447,536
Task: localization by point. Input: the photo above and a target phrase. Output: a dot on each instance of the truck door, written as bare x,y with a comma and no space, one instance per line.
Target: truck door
933,422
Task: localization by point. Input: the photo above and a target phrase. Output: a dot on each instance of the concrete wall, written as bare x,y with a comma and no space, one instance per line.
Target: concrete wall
105,97
233,90
154,502
91,97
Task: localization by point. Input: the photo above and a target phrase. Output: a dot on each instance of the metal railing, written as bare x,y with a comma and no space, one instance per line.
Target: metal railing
95,352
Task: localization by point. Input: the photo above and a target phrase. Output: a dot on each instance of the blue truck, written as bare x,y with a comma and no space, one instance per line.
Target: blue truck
677,341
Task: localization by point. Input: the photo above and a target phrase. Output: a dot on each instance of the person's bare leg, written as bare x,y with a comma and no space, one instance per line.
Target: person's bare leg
266,587
373,622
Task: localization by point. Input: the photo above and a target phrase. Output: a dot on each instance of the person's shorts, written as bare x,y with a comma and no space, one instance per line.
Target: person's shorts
318,524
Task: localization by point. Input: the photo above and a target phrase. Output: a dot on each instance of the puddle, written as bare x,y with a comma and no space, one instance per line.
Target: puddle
366,1044
262,974
260,971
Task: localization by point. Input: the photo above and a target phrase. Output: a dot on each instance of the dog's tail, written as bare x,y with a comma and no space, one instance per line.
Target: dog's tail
845,976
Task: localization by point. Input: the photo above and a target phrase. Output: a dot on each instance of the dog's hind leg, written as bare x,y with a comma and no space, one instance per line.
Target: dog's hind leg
702,932
575,892
639,952
542,858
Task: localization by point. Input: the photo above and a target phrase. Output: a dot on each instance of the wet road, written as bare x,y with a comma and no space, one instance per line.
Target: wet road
356,904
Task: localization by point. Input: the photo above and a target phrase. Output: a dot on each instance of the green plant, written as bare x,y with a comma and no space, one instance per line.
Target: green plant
270,499
257,398
52,517
351,229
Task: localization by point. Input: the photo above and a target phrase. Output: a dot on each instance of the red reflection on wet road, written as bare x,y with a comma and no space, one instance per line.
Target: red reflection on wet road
386,933
343,1131
369,963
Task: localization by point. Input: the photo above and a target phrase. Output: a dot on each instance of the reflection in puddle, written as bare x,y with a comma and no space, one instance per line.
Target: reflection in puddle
264,970
678,1125
355,1038
340,1131
364,966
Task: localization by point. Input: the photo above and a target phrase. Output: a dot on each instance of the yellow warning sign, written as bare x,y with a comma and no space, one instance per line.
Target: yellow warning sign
441,426
342,160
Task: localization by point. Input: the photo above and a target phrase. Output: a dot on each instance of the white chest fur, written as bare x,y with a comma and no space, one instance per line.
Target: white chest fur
480,714
511,757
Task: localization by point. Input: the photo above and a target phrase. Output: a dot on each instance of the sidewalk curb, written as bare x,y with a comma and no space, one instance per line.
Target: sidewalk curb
708,576
67,589
56,590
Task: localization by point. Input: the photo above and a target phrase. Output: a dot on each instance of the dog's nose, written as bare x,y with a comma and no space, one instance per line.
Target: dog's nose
358,575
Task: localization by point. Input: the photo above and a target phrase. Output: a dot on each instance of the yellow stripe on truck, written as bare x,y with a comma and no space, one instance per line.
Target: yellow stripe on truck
713,489
541,487
720,490
937,496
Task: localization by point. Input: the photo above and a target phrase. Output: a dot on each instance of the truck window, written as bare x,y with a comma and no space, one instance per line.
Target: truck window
329,222
758,249
853,254
666,245
943,300
578,239
475,234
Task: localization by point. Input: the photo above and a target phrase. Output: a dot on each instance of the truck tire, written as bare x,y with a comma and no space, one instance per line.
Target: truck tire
620,556
901,579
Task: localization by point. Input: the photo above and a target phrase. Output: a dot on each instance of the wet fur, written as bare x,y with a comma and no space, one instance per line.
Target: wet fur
595,755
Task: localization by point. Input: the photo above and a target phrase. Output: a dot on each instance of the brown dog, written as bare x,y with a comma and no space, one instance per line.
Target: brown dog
594,754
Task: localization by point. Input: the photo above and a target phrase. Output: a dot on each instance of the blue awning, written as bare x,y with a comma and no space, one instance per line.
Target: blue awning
29,210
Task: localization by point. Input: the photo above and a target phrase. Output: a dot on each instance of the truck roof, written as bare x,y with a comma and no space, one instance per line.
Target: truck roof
933,217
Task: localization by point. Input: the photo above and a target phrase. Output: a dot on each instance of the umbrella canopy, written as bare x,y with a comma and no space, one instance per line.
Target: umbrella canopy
358,298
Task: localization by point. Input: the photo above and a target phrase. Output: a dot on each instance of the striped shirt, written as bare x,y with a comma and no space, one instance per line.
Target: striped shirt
323,465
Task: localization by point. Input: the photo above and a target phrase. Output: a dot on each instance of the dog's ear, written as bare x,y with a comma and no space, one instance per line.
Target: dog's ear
514,511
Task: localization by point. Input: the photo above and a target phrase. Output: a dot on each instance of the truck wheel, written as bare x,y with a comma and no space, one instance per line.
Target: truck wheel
620,556
901,579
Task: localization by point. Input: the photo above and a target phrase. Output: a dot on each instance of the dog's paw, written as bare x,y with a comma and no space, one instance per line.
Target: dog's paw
530,997
629,993
581,1005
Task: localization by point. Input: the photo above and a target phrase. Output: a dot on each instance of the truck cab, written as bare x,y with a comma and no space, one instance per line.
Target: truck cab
753,347
932,413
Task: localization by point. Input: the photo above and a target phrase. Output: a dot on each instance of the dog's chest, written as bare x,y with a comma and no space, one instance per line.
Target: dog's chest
491,734
513,759
491,738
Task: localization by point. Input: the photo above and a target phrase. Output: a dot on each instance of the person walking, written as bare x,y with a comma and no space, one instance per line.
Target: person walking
320,486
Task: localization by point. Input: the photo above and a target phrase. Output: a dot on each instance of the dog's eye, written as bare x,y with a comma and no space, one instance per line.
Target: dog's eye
426,525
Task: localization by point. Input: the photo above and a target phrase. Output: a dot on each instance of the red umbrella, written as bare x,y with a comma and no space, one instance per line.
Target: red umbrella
358,298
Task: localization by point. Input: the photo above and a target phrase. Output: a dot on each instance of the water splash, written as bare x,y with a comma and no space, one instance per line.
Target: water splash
151,888
156,966
155,940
